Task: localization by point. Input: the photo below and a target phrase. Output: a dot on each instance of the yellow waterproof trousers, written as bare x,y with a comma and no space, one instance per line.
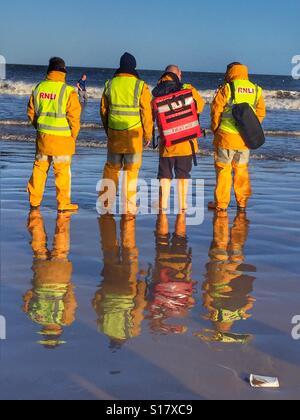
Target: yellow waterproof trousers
62,172
131,165
227,161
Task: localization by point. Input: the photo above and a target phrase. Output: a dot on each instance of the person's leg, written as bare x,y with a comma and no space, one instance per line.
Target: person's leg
132,166
111,175
36,185
219,247
61,240
36,228
63,181
239,236
165,175
223,165
180,227
183,169
242,182
81,96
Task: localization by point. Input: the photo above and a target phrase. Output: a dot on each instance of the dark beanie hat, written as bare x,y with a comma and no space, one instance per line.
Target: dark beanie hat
128,64
128,61
57,64
235,63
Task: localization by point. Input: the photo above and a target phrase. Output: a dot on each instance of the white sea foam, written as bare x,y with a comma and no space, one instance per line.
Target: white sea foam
96,126
96,144
275,99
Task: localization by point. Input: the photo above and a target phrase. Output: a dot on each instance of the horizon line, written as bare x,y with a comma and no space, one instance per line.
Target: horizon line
156,70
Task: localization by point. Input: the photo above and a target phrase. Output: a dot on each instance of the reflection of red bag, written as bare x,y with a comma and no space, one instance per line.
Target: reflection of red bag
177,118
178,290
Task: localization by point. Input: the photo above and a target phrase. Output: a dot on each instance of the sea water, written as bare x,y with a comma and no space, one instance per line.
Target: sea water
282,96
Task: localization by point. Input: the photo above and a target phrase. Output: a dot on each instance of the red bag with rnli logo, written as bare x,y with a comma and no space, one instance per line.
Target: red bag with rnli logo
177,118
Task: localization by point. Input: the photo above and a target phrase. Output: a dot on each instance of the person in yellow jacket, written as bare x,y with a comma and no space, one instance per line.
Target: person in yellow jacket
173,286
177,158
229,281
51,303
54,110
121,300
231,152
127,119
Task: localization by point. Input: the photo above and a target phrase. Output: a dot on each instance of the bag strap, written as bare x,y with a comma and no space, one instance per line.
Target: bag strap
233,96
194,153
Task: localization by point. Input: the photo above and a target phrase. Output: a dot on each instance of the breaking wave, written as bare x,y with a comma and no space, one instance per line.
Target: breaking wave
96,126
275,99
102,144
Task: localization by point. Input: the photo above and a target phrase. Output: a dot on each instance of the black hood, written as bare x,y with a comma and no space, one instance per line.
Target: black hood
168,86
128,65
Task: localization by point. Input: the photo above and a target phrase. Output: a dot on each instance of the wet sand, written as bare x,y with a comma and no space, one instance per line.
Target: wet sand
162,317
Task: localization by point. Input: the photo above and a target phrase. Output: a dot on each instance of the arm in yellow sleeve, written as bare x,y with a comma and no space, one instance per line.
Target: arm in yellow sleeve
218,107
261,110
104,111
70,306
198,99
73,114
31,112
146,113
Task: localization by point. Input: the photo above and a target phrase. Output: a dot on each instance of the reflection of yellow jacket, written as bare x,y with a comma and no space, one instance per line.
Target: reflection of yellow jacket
51,302
228,287
183,149
227,140
52,145
120,303
129,141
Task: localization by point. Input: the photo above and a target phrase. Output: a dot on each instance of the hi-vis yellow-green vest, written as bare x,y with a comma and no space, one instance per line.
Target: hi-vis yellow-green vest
117,319
50,101
245,92
124,94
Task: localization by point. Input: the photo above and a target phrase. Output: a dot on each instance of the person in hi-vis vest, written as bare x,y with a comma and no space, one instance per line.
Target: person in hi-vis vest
127,118
54,110
231,152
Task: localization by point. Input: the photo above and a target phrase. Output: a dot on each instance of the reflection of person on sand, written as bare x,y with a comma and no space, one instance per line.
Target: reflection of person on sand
120,302
227,287
51,302
172,288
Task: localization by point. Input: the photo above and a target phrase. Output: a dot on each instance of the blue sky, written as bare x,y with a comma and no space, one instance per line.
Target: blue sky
198,35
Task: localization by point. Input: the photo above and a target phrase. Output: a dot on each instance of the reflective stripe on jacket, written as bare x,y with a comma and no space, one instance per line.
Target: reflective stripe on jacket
50,102
245,92
124,94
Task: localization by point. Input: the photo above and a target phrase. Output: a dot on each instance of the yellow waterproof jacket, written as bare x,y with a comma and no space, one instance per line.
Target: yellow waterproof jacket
129,141
227,140
52,145
183,149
